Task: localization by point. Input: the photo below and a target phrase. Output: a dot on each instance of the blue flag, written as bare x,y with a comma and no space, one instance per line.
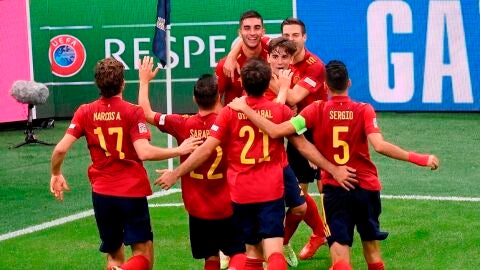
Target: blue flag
159,41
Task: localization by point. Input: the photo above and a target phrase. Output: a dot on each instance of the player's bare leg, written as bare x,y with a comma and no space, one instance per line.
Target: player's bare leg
340,255
116,258
372,254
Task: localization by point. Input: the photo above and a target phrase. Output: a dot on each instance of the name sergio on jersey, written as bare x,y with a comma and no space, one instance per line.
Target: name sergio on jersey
106,116
199,133
263,113
341,115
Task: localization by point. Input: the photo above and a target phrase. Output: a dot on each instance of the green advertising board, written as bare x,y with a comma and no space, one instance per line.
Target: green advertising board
201,33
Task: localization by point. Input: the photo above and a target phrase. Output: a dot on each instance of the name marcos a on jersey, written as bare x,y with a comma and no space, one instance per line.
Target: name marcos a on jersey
67,55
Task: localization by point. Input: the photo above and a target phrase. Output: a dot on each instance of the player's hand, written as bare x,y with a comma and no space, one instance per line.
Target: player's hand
58,185
433,162
284,78
230,66
146,72
238,103
345,176
166,180
189,145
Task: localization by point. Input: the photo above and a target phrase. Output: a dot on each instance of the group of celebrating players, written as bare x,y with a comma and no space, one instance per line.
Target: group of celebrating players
245,193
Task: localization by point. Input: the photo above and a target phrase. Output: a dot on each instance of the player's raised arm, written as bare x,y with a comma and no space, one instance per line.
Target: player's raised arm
145,74
231,65
388,149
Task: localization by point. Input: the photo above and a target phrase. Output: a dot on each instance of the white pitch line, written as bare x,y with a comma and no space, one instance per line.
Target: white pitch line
89,213
424,198
60,221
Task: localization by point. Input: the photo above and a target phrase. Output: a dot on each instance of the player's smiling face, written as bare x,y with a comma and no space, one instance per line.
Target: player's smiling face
294,33
251,31
279,59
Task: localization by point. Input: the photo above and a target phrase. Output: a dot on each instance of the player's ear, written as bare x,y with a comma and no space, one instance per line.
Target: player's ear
194,100
349,83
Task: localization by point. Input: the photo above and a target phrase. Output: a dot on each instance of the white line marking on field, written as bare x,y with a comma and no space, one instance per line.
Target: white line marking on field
89,213
71,218
424,198
46,225
155,205
431,198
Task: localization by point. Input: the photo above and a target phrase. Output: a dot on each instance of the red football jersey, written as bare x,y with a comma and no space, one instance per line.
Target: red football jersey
310,74
255,163
226,87
110,126
340,129
205,190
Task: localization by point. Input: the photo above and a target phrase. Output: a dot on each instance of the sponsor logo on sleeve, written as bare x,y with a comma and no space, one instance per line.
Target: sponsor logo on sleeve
72,126
161,122
142,128
375,124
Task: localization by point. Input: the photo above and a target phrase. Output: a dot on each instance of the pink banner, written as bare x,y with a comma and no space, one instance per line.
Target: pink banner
15,58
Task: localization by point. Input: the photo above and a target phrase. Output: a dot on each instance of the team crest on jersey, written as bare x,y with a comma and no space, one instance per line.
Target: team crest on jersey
67,55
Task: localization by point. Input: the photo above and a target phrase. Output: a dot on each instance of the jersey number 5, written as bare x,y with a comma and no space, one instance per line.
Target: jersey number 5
337,143
111,130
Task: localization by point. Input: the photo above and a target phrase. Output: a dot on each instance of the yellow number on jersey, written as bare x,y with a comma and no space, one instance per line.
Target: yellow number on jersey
339,143
211,172
119,130
248,145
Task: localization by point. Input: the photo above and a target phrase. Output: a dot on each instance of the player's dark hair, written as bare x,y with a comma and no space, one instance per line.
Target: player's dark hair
283,43
250,14
293,21
256,74
109,77
205,91
337,76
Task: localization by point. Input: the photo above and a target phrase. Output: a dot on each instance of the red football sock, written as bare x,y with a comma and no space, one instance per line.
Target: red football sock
212,265
253,264
138,262
312,217
291,225
376,266
277,261
237,261
341,265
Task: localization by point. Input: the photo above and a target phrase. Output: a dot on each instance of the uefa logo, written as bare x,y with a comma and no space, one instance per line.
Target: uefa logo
67,55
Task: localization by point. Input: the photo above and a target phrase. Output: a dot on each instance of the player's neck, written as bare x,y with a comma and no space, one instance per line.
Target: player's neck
252,52
216,109
343,94
299,57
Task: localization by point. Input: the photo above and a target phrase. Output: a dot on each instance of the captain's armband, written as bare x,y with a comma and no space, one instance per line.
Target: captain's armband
298,122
